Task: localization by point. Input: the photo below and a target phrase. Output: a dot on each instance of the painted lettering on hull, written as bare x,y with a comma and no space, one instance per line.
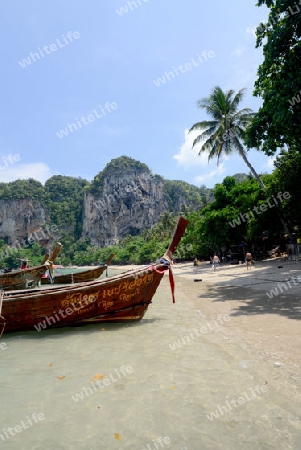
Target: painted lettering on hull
85,310
78,301
126,286
105,304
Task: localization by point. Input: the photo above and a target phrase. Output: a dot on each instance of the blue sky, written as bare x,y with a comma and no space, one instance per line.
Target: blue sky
112,57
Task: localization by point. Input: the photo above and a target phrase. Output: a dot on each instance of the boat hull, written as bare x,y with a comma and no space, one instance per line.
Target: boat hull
22,279
79,277
120,298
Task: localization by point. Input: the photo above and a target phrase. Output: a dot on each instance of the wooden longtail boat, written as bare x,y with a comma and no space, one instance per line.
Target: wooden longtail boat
29,277
119,298
79,277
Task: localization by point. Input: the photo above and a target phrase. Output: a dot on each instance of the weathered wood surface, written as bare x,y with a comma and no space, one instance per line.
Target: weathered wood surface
29,277
119,298
22,279
78,277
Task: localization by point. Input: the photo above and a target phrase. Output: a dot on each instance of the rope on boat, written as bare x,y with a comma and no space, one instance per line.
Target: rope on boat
1,302
49,264
167,261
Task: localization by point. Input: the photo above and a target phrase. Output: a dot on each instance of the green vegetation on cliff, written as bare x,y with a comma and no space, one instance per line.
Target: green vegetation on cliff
240,212
175,190
21,189
117,167
63,199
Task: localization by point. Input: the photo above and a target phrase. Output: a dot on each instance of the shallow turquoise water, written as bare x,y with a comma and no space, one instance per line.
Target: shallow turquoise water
152,391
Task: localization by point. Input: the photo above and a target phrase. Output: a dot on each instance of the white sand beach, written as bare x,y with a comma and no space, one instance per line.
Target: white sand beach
217,370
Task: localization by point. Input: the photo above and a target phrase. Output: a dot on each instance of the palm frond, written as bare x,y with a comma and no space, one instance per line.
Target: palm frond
197,140
238,145
226,132
211,109
222,107
243,112
236,100
209,131
200,126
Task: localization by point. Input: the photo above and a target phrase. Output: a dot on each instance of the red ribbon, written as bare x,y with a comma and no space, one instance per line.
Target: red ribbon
171,280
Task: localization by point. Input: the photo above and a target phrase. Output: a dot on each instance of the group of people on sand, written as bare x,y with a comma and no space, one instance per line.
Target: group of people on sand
215,261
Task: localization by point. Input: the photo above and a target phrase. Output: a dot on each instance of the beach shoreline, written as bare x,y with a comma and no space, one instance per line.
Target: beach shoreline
192,360
270,326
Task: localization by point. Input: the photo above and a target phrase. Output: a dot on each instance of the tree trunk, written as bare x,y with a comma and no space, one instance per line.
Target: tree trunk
243,155
278,211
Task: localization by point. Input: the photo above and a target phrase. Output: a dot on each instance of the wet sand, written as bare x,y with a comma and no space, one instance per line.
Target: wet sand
220,369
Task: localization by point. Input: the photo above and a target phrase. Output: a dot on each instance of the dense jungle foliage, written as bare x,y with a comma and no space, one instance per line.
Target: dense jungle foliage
240,212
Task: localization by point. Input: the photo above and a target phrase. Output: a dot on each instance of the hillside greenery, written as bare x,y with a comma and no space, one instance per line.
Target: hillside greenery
277,122
63,199
241,213
116,167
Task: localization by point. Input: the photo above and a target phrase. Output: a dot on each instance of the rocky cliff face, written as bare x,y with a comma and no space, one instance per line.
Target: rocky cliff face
131,201
125,198
20,219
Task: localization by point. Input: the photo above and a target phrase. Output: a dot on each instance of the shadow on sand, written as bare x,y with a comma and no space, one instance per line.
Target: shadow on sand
256,301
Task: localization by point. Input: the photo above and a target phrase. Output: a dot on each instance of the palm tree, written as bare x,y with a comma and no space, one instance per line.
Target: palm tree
226,132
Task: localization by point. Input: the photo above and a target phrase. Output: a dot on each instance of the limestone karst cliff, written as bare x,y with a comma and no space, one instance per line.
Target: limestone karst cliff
130,200
21,219
123,199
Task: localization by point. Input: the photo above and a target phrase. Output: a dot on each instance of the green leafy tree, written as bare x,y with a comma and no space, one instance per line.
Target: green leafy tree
64,200
225,133
278,120
286,178
176,190
20,189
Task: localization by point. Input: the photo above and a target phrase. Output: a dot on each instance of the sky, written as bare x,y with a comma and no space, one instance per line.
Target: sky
84,82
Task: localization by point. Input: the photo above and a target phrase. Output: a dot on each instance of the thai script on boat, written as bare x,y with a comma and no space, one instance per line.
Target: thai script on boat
85,310
76,299
105,304
128,285
78,303
72,303
128,297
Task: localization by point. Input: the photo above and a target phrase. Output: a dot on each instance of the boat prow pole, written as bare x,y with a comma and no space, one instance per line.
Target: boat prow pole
109,262
176,238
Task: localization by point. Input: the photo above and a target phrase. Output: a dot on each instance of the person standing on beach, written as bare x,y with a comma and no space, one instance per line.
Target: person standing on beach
196,264
249,260
215,261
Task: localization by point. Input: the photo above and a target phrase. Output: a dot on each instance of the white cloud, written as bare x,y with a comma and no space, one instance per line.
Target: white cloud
200,179
239,51
188,157
251,31
269,164
38,171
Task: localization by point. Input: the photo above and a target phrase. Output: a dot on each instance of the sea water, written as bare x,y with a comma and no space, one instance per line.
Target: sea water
128,386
